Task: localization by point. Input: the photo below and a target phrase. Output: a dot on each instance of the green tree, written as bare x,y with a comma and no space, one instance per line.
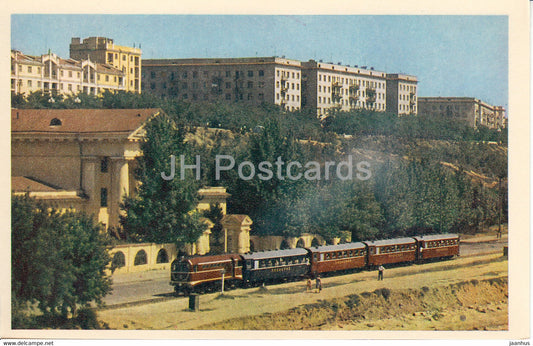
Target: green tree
163,209
58,258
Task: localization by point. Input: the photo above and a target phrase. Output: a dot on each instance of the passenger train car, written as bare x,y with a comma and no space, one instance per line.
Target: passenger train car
203,273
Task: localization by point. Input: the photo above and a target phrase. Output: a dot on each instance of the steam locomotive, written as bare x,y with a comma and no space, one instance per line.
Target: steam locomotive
198,274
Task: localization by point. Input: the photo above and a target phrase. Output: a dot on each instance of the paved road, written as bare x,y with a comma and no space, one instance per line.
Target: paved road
155,285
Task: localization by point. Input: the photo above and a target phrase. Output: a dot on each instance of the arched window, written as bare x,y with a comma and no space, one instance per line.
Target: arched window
162,256
119,260
55,122
140,258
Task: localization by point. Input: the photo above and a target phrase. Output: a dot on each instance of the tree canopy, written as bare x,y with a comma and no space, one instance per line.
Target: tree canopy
58,258
163,208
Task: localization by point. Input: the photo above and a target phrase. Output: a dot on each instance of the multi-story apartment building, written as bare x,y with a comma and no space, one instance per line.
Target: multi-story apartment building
329,86
250,80
289,83
54,74
402,94
468,109
103,51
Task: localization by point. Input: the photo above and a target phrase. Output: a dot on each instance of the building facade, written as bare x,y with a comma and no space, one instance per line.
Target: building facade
402,94
289,83
102,50
470,110
337,87
85,157
248,80
55,75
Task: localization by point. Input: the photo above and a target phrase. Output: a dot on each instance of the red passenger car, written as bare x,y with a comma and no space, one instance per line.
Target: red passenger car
391,251
437,246
332,258
204,272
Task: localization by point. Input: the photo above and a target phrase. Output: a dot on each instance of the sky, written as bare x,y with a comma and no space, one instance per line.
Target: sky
450,55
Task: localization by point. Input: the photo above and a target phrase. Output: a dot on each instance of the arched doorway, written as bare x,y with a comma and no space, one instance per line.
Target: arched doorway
140,258
315,242
284,245
162,256
118,261
252,246
300,243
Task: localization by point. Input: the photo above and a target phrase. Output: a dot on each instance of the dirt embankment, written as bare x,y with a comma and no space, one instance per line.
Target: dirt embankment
472,305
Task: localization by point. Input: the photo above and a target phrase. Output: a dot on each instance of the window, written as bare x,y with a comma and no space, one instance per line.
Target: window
123,58
250,85
55,122
29,69
228,74
152,74
250,73
195,74
29,83
103,197
228,85
261,73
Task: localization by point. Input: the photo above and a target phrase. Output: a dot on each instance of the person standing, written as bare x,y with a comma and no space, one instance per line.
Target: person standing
318,284
381,269
309,285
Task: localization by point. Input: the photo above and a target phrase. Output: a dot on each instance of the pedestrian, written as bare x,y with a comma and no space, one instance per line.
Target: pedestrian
318,284
309,285
380,272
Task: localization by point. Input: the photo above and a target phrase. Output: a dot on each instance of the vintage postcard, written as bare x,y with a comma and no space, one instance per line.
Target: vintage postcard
291,170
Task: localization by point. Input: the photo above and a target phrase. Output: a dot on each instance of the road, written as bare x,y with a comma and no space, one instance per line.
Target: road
155,287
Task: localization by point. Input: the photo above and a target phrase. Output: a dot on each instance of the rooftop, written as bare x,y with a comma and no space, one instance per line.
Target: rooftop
78,121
